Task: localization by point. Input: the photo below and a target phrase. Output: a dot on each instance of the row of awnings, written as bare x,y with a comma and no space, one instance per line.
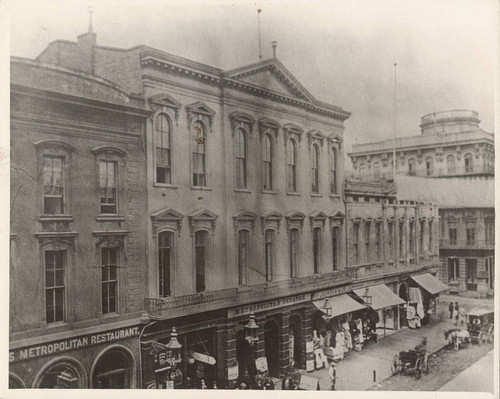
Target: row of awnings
381,296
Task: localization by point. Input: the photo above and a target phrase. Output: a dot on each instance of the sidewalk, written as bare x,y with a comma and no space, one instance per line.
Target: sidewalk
356,371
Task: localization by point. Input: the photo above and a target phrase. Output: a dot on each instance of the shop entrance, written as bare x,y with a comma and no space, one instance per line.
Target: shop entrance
113,371
271,347
295,341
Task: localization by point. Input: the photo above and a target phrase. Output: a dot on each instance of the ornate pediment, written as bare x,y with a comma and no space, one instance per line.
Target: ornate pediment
165,101
202,219
336,219
201,111
268,125
295,219
167,218
292,130
241,120
244,219
270,219
315,136
317,219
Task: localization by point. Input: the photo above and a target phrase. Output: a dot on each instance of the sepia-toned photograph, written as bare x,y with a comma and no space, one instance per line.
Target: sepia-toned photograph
279,195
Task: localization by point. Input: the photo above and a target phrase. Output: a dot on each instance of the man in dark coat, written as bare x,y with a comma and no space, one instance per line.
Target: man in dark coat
450,308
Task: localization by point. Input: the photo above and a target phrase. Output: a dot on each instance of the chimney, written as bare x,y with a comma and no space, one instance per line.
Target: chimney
274,44
86,43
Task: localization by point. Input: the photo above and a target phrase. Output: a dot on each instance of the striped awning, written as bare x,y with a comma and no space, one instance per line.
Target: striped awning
429,283
382,296
340,304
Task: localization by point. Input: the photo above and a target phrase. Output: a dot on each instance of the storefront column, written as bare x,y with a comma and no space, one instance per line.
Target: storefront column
306,335
222,344
284,344
228,337
259,346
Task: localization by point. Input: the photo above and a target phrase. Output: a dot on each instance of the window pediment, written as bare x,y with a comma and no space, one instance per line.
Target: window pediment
268,125
164,101
292,130
243,120
167,218
47,144
317,219
271,220
336,219
315,136
108,150
295,219
202,219
202,112
244,219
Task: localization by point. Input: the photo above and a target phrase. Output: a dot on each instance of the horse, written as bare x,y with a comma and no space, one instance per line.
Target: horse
456,337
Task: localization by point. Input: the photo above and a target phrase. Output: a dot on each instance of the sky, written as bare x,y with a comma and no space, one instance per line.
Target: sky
342,51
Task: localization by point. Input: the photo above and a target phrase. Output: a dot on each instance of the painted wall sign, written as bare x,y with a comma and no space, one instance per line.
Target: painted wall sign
275,303
233,372
261,364
331,292
84,341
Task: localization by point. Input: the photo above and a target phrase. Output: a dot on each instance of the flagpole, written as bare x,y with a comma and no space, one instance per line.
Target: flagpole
395,126
258,25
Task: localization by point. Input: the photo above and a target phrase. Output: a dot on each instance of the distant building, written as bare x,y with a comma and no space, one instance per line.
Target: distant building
451,164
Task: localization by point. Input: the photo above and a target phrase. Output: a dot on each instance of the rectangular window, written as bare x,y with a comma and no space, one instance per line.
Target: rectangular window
199,175
421,240
109,282
53,185
54,286
471,236
242,256
401,239
267,159
453,269
489,225
291,164
367,241
335,246
165,253
377,241
412,238
269,249
452,233
355,244
201,254
316,249
241,162
390,240
163,150
294,252
107,187
431,242
471,272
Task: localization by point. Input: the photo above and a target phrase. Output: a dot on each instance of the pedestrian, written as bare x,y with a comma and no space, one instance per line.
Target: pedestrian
450,308
332,373
457,313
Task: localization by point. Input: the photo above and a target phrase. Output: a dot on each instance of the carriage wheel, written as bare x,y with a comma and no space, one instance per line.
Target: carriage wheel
480,339
418,373
395,365
490,337
426,364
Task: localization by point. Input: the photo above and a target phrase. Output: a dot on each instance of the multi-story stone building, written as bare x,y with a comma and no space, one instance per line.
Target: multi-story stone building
451,164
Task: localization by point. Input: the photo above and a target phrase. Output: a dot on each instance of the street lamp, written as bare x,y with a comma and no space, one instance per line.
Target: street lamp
327,309
251,330
173,349
367,298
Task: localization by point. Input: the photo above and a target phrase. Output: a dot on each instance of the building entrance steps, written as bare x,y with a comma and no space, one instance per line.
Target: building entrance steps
356,371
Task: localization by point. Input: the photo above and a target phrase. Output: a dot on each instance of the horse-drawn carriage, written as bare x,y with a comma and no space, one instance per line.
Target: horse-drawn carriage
411,362
480,325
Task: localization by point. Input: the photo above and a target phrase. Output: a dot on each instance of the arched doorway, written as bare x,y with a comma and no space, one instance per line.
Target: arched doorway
113,370
63,372
403,294
272,347
295,341
15,382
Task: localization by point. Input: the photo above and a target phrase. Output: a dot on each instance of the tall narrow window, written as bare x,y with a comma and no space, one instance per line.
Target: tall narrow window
314,169
109,281
335,247
411,167
54,286
199,161
163,150
378,254
401,239
376,171
471,236
452,233
201,255
412,237
269,253
362,171
316,249
468,162
291,166
355,244
390,239
241,159
267,167
421,243
489,227
333,171
107,186
431,238
242,256
165,254
294,251
453,269
429,167
53,185
367,241
450,164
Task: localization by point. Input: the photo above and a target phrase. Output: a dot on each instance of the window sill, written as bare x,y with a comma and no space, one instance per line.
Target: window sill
110,218
55,324
164,185
110,315
336,196
292,193
200,188
242,190
56,218
269,192
316,195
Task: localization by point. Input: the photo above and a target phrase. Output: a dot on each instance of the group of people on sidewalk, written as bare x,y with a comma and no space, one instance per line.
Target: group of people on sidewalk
455,313
262,381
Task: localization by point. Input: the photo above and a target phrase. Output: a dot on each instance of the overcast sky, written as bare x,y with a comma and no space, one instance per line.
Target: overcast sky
342,51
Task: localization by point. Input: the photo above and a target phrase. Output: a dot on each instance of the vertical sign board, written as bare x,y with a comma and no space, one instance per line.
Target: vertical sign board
309,356
261,364
233,372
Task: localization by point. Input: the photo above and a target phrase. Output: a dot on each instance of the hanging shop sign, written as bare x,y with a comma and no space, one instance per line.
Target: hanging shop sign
331,292
203,358
308,383
274,304
233,371
84,341
261,364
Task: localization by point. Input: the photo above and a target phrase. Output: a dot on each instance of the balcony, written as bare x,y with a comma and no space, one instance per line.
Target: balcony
466,244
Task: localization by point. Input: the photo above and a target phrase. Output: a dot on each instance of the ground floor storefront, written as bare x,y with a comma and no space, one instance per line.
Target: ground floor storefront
106,358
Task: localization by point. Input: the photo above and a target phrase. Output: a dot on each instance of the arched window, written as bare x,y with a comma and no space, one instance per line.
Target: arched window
114,370
335,246
333,171
362,171
316,249
199,160
450,164
291,166
468,162
201,258
241,159
411,167
267,160
242,256
376,171
294,251
65,373
165,262
269,253
429,166
163,150
315,169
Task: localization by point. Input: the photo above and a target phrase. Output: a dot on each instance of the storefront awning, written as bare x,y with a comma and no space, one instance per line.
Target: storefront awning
382,296
429,283
341,304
